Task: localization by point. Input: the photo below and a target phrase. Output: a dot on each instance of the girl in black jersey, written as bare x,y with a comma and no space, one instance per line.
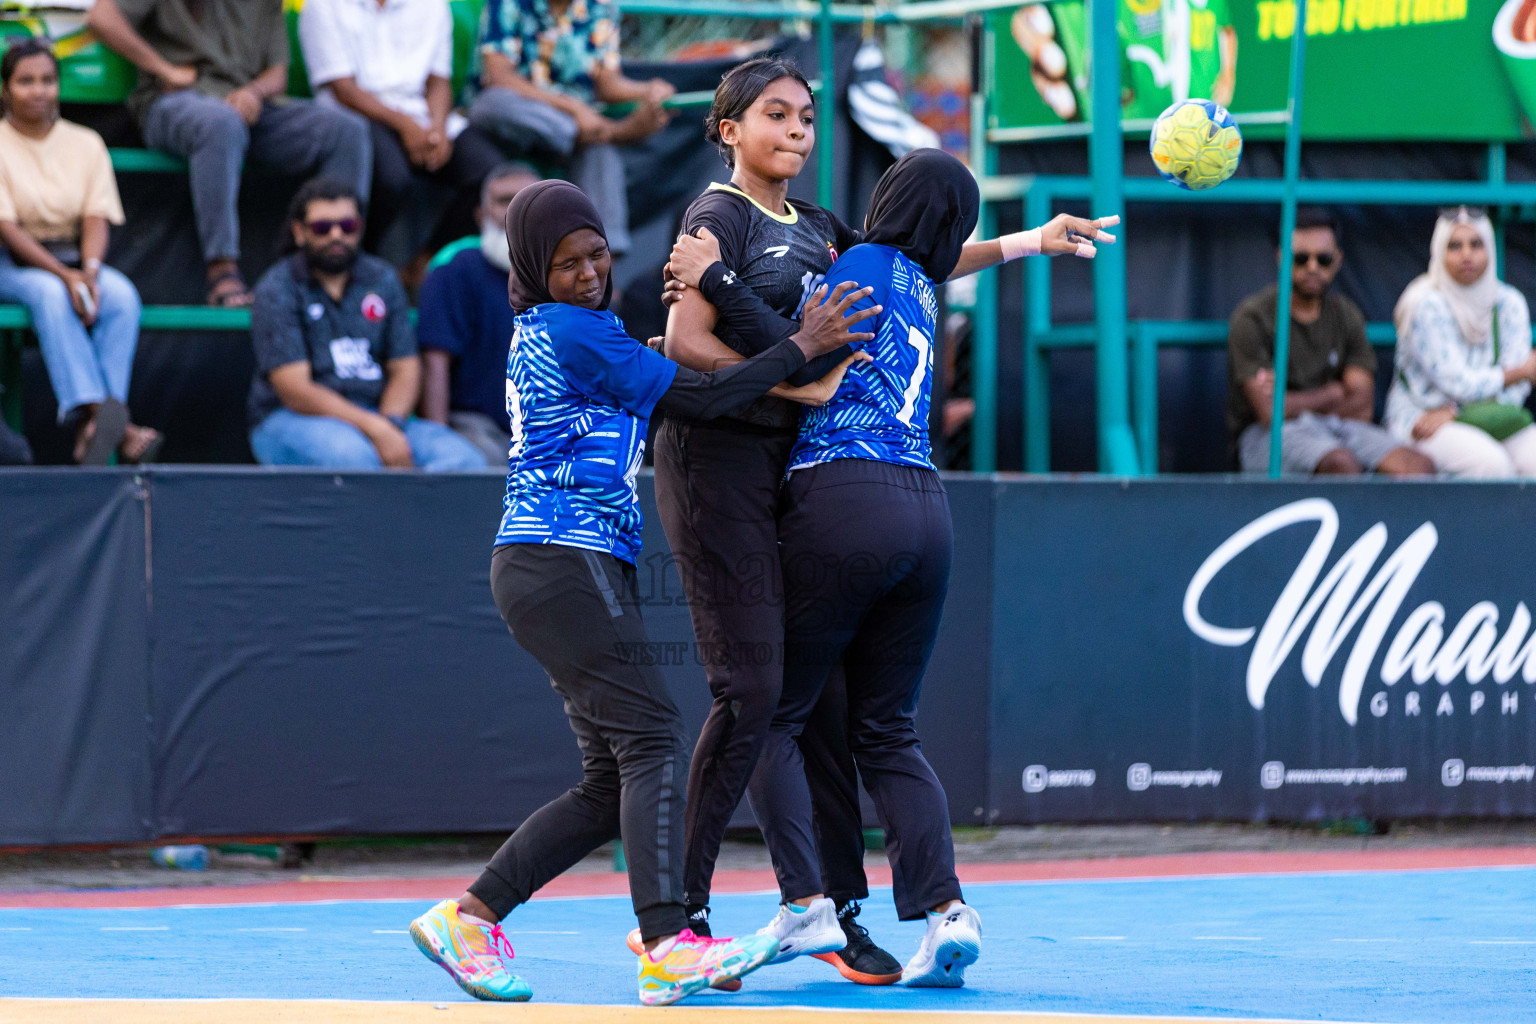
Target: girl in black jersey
751,255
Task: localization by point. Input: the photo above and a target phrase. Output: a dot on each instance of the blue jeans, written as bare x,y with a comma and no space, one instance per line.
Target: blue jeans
287,438
295,136
85,366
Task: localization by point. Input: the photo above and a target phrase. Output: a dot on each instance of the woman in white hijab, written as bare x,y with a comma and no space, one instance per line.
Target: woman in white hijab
1464,360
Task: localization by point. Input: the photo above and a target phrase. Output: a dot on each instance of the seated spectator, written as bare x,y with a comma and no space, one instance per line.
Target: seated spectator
336,368
1464,360
465,325
392,62
211,81
544,63
1330,395
57,200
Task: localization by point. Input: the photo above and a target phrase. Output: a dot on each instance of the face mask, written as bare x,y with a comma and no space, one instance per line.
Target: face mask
493,245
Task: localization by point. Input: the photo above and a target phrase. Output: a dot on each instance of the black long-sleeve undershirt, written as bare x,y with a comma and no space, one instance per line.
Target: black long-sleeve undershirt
704,396
756,322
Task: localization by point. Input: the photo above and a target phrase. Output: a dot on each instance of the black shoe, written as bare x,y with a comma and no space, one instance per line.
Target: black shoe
698,918
861,961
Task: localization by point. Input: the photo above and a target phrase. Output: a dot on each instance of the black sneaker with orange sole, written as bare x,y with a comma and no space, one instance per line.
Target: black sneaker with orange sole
861,961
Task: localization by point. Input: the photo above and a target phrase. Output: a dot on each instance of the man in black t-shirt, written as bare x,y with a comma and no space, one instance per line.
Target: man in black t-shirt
1330,375
337,373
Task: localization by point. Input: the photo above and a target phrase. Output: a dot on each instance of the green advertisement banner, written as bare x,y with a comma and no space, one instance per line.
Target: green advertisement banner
1460,70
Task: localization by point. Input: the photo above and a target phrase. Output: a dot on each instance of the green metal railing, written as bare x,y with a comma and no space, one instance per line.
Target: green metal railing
1041,193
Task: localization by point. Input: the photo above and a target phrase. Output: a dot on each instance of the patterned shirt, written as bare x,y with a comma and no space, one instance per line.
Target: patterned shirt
1436,367
579,393
880,411
558,53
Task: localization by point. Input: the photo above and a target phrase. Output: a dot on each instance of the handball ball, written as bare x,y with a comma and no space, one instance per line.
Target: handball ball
1196,144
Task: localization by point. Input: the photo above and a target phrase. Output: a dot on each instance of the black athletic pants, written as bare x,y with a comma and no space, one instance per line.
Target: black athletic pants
717,488
866,550
578,613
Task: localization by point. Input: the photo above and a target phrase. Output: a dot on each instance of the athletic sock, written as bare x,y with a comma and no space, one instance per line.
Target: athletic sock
472,919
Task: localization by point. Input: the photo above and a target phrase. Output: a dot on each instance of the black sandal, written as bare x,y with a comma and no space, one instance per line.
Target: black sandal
111,423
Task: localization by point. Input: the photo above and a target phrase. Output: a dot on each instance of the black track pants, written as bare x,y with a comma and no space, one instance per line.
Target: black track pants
577,612
866,553
717,489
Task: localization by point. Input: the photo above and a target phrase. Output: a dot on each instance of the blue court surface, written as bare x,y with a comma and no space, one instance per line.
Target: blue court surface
1437,947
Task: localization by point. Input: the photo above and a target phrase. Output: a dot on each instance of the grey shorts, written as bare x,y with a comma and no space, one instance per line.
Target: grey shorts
1307,438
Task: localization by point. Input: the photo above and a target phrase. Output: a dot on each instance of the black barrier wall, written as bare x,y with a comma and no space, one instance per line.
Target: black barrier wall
1200,650
240,652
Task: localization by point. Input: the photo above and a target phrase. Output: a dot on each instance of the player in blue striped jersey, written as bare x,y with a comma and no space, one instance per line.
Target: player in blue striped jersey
862,492
880,411
579,391
866,544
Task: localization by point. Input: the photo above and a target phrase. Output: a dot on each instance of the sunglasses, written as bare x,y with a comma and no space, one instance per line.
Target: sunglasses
1324,259
348,226
1472,212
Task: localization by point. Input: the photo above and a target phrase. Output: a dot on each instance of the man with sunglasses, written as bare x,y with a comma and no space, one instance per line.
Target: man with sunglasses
1330,396
337,372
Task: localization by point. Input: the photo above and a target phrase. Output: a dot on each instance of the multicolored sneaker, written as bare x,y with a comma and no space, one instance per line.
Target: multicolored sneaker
637,946
473,955
694,962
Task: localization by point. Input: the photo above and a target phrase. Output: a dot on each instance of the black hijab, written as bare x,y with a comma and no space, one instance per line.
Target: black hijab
536,220
926,206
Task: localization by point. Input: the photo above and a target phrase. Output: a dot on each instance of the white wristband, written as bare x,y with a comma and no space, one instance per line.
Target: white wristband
1020,243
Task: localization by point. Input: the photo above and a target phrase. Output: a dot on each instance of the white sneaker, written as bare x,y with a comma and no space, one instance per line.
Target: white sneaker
951,944
815,930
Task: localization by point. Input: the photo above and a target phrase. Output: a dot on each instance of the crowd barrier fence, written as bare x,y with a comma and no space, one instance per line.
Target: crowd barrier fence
249,652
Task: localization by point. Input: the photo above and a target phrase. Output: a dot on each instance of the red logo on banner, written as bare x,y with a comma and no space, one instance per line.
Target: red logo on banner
374,308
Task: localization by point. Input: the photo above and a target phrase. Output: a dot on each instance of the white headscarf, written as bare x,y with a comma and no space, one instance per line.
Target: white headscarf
1472,304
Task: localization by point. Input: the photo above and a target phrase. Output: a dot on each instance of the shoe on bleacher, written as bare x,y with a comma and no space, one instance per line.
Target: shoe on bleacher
861,961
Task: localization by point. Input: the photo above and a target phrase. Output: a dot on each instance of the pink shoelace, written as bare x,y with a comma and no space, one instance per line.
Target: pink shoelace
706,945
489,963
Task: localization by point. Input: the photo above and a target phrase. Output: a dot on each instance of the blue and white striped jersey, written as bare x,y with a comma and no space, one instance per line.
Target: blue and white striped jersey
579,393
880,411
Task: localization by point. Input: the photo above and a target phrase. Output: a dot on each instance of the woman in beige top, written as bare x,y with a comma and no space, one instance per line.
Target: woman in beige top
57,198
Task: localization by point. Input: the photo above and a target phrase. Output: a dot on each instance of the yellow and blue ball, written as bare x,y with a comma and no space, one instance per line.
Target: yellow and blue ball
1196,144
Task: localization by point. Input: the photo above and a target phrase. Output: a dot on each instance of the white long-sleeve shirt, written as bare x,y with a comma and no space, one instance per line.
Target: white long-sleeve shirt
1436,367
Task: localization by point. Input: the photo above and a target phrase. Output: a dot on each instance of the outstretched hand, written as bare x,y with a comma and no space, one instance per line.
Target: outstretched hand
825,326
1064,234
